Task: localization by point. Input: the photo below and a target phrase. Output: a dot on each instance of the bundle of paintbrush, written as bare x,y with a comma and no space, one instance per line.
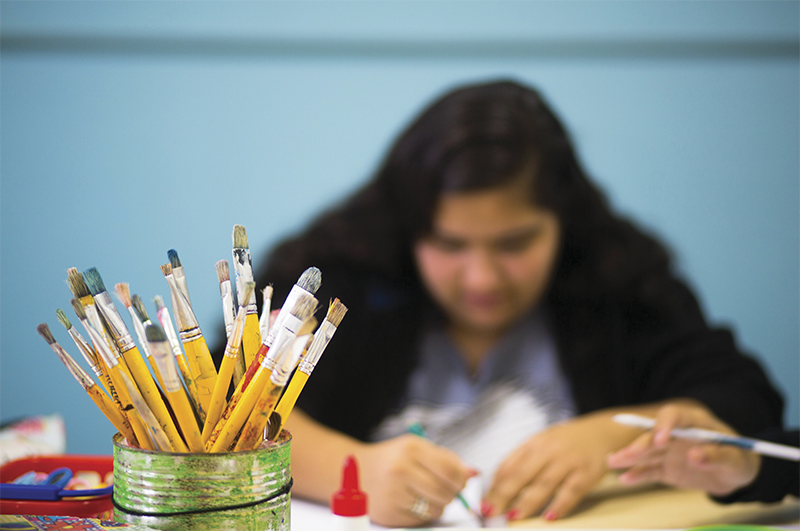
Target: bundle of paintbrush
179,403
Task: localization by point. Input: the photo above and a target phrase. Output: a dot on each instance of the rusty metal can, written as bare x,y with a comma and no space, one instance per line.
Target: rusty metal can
244,491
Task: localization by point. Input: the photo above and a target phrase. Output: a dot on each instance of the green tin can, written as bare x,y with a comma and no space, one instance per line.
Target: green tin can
245,491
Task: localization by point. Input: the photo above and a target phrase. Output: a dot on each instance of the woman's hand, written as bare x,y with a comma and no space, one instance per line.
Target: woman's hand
407,473
555,468
655,457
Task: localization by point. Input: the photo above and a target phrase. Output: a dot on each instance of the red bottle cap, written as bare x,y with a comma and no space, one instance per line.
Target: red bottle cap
349,501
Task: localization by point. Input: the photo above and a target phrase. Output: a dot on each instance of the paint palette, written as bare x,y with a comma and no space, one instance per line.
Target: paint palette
47,477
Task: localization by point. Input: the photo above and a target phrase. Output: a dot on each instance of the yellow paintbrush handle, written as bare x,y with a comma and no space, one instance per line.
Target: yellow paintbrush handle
218,397
251,341
235,415
108,384
197,350
112,413
185,415
253,431
194,395
152,397
289,398
139,428
103,377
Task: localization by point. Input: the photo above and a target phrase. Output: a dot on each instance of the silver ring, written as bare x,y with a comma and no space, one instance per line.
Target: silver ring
420,508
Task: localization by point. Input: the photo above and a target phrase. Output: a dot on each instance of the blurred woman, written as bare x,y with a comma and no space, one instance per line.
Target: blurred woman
495,298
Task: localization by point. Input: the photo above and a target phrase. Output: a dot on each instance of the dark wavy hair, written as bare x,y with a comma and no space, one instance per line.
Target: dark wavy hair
478,137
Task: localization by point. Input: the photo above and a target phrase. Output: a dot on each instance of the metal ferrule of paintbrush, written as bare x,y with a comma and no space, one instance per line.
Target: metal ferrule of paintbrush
103,350
283,338
179,273
138,327
323,335
294,294
181,307
172,338
321,339
228,312
97,322
116,326
244,273
86,350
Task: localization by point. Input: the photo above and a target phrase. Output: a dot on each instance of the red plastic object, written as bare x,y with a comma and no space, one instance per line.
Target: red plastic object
94,507
350,500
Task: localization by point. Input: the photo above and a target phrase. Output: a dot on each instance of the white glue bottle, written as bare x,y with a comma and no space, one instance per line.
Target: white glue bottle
349,504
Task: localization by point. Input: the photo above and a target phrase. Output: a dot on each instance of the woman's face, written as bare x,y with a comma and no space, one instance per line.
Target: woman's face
489,257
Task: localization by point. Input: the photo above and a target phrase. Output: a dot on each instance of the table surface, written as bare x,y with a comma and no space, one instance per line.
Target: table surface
609,506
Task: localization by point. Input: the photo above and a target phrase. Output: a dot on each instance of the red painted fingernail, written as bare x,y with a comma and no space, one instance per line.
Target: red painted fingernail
550,515
513,514
487,509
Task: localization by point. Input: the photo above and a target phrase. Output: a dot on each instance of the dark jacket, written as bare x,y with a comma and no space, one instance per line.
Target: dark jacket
776,478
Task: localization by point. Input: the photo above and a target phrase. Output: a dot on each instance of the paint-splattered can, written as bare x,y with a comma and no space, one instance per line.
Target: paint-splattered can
228,490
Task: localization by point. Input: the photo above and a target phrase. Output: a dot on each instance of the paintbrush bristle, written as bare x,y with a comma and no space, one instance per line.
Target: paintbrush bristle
159,302
174,261
124,293
166,269
62,318
139,309
77,285
44,331
240,237
267,293
79,310
305,306
223,273
153,332
310,280
94,281
336,312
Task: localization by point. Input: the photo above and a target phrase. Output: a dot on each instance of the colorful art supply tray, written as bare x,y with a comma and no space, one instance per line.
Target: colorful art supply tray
53,498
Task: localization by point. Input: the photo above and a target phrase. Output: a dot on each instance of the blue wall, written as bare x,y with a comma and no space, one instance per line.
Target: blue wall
130,128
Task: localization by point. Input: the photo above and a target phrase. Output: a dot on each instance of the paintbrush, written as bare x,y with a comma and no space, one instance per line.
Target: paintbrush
307,285
88,353
226,367
140,375
780,451
322,337
229,313
179,274
113,367
194,344
80,290
244,397
98,397
124,294
173,387
165,321
253,430
251,340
